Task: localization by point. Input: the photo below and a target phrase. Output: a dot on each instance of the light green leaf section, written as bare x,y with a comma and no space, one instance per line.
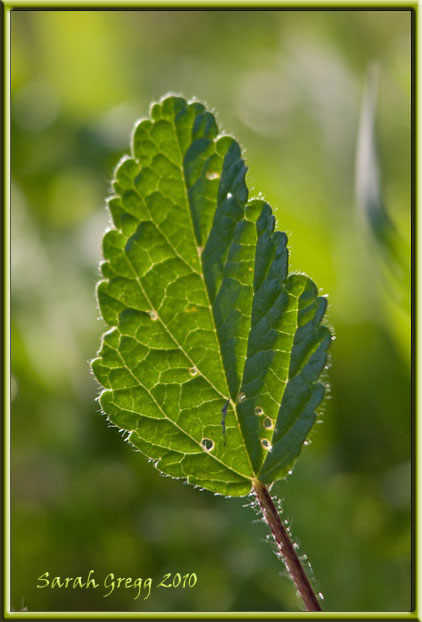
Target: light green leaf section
213,355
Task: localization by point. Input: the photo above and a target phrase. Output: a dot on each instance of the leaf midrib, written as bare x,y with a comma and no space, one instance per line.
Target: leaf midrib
188,205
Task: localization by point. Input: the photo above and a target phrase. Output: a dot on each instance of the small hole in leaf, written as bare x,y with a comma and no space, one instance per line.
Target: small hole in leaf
268,423
266,444
153,315
307,443
229,195
193,371
241,397
207,444
212,175
259,411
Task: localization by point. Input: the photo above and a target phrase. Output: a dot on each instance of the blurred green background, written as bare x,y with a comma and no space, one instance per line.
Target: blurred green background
288,85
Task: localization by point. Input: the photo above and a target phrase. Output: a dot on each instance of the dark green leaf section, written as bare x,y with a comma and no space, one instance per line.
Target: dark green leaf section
303,393
213,354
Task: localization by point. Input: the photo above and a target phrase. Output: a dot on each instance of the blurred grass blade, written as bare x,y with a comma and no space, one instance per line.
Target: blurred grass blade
392,247
368,191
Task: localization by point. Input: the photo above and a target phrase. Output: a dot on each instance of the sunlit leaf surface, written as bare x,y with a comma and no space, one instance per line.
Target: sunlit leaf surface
214,353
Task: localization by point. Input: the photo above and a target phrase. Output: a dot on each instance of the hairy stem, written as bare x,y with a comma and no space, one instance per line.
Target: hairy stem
286,548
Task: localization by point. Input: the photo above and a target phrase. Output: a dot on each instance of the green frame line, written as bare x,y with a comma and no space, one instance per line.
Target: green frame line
375,5
7,344
311,5
213,615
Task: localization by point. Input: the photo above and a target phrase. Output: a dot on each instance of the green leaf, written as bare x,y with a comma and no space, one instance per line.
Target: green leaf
214,352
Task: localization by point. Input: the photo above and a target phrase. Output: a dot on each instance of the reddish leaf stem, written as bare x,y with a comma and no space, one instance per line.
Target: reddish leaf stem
286,548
